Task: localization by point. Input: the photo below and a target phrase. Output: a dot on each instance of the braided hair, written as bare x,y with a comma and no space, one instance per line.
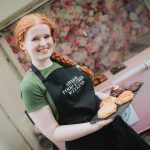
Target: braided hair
71,63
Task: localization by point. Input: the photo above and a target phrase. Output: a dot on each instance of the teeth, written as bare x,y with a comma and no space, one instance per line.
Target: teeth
42,50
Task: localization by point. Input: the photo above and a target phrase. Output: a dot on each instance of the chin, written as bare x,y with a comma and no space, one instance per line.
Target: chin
44,57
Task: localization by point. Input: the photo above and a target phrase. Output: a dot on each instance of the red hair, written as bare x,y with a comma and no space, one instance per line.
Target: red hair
30,20
27,22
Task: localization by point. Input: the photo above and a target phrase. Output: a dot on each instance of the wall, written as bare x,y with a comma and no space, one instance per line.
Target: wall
101,31
10,7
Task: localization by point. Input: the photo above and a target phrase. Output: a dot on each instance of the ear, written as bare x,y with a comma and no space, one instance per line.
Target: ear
22,46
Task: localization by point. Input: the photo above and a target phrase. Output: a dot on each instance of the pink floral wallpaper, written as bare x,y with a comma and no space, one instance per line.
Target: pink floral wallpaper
95,33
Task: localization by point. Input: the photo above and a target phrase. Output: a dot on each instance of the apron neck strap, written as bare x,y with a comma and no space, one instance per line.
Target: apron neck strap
38,73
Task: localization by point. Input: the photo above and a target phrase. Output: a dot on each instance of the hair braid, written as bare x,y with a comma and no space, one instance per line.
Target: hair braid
63,59
71,63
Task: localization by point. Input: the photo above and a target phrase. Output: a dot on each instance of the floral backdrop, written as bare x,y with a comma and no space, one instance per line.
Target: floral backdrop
95,33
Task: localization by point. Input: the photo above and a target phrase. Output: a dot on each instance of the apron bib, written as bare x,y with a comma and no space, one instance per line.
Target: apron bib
73,94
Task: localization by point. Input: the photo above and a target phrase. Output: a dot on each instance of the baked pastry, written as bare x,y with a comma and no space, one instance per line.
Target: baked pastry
134,87
116,91
125,97
107,110
109,99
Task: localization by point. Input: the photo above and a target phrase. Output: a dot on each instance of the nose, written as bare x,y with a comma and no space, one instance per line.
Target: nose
43,42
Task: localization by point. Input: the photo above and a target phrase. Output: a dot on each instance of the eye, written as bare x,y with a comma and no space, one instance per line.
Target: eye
35,39
46,36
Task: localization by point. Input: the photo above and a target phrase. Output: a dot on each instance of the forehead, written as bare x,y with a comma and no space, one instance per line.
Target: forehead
38,30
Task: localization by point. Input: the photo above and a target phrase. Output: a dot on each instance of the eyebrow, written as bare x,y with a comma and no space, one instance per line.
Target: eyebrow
36,36
42,35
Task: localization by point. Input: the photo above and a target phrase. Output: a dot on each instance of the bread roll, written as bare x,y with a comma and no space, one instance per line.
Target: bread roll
125,97
108,100
134,86
107,110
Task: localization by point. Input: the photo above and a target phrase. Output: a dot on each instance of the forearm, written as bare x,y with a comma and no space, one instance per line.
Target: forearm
75,131
47,124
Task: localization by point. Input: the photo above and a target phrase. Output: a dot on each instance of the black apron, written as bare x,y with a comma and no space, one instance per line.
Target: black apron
73,94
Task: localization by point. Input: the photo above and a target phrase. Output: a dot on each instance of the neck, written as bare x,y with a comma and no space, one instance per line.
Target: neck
42,64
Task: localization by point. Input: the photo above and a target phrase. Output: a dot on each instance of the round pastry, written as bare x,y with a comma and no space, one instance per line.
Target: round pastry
107,110
108,100
125,97
134,87
116,91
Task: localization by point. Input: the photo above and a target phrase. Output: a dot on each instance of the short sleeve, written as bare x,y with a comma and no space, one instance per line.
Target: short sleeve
33,97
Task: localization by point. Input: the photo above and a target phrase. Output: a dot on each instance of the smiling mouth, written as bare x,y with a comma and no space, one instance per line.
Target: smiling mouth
43,50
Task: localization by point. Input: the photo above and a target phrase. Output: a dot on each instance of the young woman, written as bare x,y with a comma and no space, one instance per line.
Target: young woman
60,98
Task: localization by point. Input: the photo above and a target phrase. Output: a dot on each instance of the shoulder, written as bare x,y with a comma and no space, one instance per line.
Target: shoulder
32,92
31,82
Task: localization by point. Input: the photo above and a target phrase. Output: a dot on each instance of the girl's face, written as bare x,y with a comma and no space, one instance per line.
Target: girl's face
38,42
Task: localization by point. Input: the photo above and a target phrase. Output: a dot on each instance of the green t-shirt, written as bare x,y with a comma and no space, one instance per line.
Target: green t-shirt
34,93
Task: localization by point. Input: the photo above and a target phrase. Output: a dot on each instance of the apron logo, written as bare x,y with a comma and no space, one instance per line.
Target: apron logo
74,85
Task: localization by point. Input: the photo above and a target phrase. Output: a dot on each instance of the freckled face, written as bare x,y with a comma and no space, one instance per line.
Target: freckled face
38,42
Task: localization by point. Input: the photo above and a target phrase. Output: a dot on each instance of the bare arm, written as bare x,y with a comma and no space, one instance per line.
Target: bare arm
46,122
